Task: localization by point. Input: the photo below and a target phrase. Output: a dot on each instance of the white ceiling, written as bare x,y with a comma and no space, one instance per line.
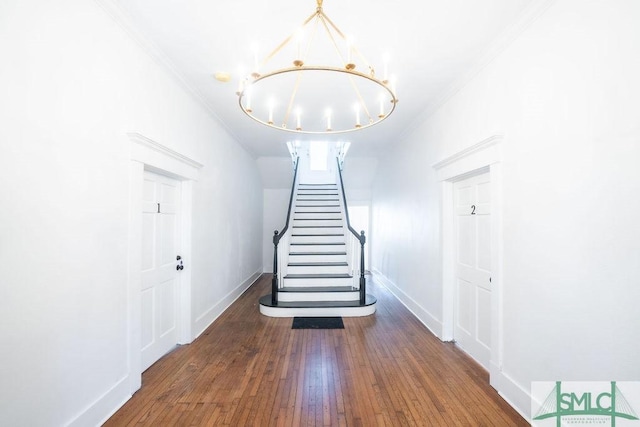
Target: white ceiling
431,45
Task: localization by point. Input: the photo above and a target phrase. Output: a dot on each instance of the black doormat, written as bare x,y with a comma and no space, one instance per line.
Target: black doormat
317,323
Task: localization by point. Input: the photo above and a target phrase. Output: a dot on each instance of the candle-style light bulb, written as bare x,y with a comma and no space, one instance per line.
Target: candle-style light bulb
349,65
242,79
247,104
357,108
256,73
385,75
298,121
298,62
328,119
271,105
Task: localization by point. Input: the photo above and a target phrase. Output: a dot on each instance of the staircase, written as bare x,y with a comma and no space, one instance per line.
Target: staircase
318,280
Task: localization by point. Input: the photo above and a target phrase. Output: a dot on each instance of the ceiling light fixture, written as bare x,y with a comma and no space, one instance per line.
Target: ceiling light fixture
305,92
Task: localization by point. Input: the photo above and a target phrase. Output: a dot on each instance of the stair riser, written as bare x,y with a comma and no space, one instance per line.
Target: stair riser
315,203
330,208
307,191
318,231
318,296
318,312
316,248
306,282
317,258
317,197
303,187
317,215
303,269
316,239
316,222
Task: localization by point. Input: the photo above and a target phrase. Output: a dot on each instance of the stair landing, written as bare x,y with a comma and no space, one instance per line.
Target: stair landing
317,308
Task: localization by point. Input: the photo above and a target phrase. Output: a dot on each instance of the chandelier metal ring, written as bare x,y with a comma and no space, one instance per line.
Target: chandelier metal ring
284,126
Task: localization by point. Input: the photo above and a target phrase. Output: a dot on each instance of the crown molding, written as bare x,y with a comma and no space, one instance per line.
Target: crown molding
482,147
526,18
122,18
148,143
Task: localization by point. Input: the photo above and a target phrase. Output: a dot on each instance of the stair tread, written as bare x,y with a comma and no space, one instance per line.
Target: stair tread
317,219
317,206
317,264
311,289
316,253
266,300
317,226
315,235
318,276
317,212
317,244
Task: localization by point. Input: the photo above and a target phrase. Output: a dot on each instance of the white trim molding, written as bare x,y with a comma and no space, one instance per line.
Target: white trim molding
482,156
423,315
152,153
206,319
147,154
477,156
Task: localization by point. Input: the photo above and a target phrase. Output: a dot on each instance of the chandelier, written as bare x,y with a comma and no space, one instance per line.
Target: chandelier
296,88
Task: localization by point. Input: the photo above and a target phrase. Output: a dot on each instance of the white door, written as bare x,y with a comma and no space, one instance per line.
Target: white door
472,311
160,222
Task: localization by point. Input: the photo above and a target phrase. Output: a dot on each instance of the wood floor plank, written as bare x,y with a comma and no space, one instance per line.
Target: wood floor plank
250,370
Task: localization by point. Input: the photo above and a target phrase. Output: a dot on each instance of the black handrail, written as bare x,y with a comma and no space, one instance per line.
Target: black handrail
278,235
361,238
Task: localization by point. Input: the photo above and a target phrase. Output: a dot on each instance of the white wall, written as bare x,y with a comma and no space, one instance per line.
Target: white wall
565,96
73,83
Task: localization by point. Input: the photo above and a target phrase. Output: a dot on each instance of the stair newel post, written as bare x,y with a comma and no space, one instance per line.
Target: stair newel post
274,280
363,281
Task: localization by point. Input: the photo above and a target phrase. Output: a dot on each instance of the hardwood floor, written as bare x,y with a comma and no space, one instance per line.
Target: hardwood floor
382,370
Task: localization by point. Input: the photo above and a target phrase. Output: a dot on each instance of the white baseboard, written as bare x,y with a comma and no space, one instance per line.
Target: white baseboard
206,319
98,412
513,393
106,405
423,315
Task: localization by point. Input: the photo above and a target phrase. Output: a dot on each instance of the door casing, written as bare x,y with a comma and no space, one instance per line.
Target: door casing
147,154
487,155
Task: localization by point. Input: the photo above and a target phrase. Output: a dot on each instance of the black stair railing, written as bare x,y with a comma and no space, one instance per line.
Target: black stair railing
277,235
361,238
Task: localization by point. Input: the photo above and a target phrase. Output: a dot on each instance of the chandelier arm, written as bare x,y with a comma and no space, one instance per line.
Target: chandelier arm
324,15
333,40
360,98
293,97
355,49
313,36
285,41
